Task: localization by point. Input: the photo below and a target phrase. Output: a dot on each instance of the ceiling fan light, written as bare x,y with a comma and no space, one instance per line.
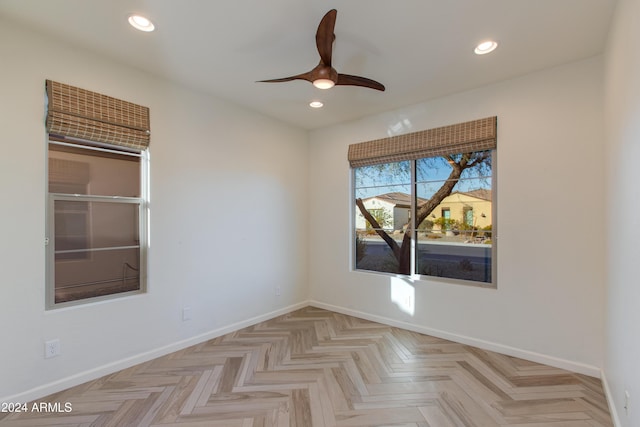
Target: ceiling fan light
323,83
141,23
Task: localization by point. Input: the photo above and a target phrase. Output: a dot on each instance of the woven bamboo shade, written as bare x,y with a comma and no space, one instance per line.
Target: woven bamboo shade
82,114
476,135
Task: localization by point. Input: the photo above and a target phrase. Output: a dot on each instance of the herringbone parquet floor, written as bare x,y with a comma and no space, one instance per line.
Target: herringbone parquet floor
314,367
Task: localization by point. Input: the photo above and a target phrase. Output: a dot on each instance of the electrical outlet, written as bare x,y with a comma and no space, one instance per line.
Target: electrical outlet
186,314
278,291
51,348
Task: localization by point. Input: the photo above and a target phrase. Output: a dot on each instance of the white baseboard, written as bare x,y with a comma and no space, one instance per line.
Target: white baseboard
544,359
92,374
610,401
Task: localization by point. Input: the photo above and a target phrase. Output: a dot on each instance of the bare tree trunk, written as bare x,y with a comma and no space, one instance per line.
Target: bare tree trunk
404,262
388,239
423,211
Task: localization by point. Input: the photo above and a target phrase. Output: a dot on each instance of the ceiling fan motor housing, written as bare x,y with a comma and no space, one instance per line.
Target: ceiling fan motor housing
322,71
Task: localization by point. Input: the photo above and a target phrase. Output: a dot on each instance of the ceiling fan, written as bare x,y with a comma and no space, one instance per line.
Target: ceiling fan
324,76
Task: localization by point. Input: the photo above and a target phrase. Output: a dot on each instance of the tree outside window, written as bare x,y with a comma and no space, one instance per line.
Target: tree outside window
447,195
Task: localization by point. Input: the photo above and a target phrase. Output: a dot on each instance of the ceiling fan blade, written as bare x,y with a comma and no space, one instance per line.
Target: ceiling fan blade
348,80
303,76
325,36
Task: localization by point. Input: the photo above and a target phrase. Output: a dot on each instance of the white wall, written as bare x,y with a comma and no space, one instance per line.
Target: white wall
622,112
549,302
228,221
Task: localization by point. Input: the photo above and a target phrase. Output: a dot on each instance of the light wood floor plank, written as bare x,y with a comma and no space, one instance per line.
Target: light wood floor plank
316,368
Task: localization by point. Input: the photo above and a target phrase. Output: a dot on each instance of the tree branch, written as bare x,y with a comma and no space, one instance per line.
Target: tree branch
426,208
467,161
383,234
479,159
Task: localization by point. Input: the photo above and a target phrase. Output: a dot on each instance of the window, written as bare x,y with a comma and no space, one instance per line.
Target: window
96,221
97,210
467,213
448,231
446,219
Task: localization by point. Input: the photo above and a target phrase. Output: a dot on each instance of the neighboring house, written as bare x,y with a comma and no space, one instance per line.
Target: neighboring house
396,207
472,208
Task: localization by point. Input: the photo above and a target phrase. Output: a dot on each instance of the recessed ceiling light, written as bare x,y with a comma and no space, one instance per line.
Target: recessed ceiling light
485,47
316,104
141,23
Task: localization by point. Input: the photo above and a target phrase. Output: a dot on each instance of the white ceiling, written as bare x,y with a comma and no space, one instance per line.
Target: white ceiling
419,49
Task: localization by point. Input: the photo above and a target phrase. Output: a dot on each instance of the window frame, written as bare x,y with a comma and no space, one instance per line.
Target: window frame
143,221
413,229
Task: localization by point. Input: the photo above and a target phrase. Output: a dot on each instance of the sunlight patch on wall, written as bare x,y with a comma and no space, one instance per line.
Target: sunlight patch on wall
403,295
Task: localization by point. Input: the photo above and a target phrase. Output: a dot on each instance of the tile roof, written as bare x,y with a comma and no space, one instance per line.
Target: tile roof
404,199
